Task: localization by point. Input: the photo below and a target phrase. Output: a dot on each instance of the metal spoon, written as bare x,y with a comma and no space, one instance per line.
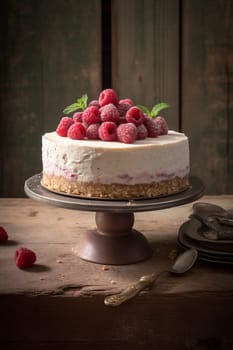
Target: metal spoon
182,264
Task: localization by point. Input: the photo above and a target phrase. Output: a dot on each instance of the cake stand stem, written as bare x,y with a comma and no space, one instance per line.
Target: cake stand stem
114,241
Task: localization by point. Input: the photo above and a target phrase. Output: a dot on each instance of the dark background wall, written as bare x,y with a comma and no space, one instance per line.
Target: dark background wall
178,51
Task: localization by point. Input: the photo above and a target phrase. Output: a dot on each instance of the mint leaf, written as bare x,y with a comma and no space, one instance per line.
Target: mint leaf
144,109
81,103
84,101
158,107
71,108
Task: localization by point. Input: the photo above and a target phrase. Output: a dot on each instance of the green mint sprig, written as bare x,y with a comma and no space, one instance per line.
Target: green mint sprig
81,103
155,109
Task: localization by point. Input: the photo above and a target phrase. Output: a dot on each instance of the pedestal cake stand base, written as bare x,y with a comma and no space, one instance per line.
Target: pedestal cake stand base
114,241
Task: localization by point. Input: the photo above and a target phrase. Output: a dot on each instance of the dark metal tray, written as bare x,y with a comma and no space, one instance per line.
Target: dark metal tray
34,190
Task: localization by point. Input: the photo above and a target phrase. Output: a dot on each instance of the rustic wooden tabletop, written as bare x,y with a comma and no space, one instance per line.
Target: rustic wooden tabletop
54,234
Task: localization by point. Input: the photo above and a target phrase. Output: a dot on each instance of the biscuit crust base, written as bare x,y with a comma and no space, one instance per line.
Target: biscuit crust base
62,185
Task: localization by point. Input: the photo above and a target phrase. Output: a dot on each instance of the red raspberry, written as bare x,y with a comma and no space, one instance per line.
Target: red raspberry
107,131
135,115
153,130
127,132
77,117
92,132
128,101
142,132
91,115
24,257
162,125
109,113
123,108
122,120
108,96
94,103
76,131
3,235
63,126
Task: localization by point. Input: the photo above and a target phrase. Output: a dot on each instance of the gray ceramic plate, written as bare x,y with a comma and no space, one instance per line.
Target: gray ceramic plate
193,231
208,257
215,250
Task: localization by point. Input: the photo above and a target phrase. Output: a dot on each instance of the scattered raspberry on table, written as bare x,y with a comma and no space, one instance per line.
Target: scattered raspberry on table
3,235
24,257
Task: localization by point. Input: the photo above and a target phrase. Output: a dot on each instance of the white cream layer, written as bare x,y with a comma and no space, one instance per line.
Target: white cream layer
144,161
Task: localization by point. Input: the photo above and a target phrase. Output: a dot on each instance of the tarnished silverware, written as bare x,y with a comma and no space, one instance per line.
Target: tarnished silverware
182,264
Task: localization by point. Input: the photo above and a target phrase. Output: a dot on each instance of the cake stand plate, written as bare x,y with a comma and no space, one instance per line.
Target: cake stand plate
114,241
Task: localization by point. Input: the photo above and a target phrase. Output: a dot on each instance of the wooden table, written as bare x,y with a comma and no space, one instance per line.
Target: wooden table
59,302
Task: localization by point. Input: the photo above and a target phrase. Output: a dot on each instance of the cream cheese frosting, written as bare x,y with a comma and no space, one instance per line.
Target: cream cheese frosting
142,162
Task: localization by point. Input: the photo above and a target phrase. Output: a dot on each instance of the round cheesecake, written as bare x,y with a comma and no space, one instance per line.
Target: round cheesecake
146,168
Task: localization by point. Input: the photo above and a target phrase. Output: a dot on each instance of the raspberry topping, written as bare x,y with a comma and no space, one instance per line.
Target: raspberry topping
142,132
135,115
108,96
123,108
162,125
3,235
76,131
94,103
24,257
127,132
126,101
108,131
92,131
109,113
63,126
91,115
122,120
152,128
77,117
100,119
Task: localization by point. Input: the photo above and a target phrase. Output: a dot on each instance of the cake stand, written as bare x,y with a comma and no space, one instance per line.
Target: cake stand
114,241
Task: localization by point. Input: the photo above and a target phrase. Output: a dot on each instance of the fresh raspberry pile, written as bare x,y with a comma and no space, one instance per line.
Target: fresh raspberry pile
111,119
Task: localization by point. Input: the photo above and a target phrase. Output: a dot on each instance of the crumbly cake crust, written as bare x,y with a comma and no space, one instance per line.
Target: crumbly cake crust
114,191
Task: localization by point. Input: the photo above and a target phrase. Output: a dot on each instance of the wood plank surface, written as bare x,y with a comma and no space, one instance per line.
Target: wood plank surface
145,53
50,56
207,104
181,52
59,302
54,233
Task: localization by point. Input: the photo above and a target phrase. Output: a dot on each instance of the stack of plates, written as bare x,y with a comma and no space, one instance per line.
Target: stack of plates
191,236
